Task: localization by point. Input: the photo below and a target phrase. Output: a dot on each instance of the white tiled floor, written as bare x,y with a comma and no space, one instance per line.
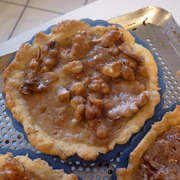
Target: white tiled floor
18,16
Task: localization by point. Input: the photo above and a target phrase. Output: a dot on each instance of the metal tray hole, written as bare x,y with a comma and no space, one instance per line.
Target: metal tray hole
169,81
92,164
10,130
3,106
21,143
5,135
106,165
7,141
73,168
110,171
114,166
176,92
160,58
14,143
151,44
103,171
7,118
77,162
91,176
95,170
83,176
80,169
98,177
172,77
12,136
8,124
56,159
105,178
3,129
88,169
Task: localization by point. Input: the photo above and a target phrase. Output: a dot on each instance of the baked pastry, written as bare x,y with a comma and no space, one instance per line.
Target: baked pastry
23,168
157,155
81,89
178,74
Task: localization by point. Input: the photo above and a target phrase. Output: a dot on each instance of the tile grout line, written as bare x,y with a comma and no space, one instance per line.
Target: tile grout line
45,10
31,7
12,3
18,20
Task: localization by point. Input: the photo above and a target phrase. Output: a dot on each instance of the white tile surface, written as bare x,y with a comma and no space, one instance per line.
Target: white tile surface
32,18
9,15
21,2
62,6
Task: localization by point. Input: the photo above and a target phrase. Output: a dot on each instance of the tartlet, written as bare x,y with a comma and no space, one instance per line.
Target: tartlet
157,155
81,89
22,167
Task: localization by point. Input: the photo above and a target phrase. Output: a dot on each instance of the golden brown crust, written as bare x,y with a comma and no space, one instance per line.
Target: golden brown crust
37,167
169,119
39,138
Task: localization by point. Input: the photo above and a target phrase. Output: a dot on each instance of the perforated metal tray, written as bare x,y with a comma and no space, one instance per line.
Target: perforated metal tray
159,30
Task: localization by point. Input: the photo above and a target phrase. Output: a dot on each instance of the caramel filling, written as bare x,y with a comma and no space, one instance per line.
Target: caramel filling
161,161
87,89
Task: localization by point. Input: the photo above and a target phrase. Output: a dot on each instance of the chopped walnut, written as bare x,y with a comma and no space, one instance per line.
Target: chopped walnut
127,73
51,48
93,108
76,100
80,112
99,85
34,65
130,87
87,81
34,85
110,37
48,64
49,55
78,88
112,69
101,130
80,45
36,80
48,77
128,108
126,48
129,62
74,67
113,50
62,93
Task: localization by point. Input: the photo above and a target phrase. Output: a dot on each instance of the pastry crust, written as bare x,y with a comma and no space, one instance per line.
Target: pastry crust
22,166
14,77
170,119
